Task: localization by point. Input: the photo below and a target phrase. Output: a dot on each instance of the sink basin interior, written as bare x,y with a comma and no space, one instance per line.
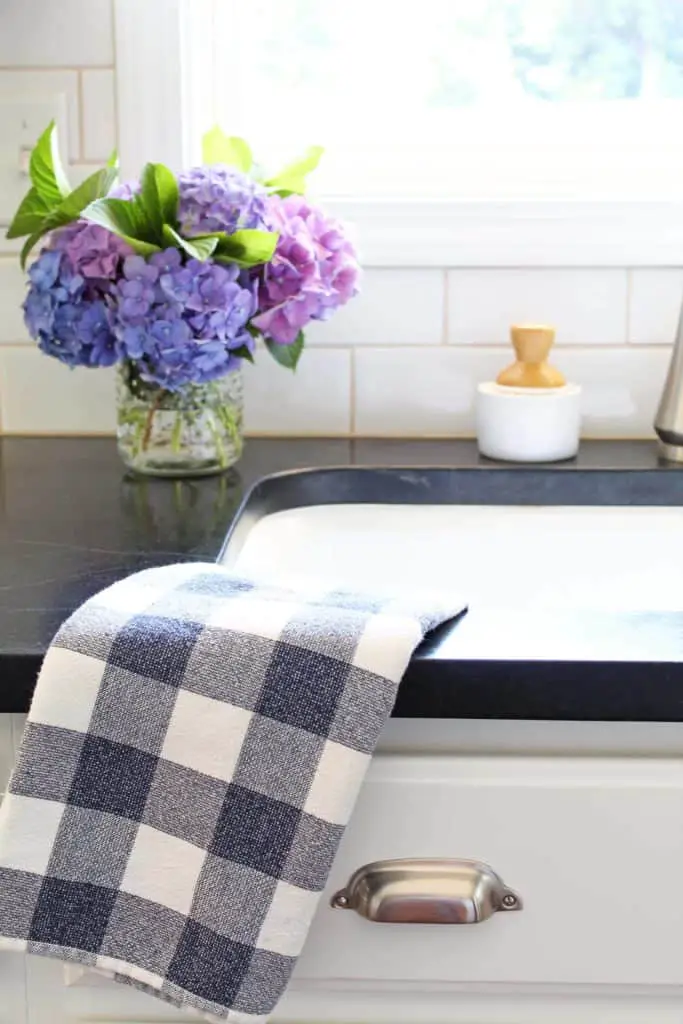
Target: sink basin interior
602,557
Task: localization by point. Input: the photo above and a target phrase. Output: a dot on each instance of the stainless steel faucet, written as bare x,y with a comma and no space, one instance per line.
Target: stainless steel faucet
669,418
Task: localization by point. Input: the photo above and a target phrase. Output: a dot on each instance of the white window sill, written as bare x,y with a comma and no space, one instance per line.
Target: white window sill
450,233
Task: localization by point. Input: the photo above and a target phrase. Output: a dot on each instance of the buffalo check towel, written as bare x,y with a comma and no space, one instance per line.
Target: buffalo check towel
193,752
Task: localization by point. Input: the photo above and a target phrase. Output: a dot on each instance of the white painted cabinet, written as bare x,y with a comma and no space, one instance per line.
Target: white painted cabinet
593,846
12,968
592,841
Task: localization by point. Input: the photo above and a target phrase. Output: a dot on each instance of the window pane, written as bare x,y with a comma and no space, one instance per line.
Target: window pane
345,60
436,76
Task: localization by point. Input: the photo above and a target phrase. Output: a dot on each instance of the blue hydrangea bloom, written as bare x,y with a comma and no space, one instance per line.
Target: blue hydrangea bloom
220,198
181,323
66,317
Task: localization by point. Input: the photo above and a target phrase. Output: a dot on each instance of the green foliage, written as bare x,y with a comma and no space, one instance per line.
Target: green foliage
244,353
198,248
287,355
159,192
29,217
219,148
148,222
94,186
47,174
72,206
292,178
50,203
127,218
247,247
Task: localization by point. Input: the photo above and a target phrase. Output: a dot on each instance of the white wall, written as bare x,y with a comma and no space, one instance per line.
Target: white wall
402,360
47,47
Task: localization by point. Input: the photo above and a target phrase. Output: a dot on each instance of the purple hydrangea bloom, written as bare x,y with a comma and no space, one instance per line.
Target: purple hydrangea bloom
124,190
181,323
314,270
220,198
94,252
67,318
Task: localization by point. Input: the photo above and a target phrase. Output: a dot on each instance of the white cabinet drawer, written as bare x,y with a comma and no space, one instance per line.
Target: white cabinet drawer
10,726
12,967
593,846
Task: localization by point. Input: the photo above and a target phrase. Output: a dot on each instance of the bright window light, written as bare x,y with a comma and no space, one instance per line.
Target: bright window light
461,98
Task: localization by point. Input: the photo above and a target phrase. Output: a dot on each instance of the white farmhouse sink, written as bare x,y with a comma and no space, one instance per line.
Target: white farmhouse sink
589,557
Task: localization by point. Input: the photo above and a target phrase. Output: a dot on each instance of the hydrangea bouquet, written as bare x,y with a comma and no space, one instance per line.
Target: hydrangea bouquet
176,279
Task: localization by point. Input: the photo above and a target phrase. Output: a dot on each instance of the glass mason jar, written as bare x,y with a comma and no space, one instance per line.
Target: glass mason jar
196,431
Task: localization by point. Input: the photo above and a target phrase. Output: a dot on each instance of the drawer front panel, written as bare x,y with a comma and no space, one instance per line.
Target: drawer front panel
593,846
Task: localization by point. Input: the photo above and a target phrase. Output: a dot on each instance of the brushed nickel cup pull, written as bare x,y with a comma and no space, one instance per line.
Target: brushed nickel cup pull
426,892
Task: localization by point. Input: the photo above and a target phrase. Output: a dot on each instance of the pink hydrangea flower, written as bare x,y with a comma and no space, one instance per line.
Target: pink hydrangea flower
93,252
314,270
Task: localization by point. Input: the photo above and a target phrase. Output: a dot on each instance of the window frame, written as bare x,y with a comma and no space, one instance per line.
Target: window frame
164,117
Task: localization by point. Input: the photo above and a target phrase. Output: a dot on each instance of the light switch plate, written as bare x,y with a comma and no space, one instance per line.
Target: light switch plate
22,120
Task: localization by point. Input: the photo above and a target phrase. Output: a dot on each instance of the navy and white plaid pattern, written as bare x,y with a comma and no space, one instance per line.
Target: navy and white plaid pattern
193,752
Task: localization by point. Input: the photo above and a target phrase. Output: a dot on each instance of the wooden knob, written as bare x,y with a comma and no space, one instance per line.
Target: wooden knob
532,344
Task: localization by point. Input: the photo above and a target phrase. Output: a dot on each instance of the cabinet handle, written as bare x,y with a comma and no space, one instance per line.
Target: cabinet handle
426,892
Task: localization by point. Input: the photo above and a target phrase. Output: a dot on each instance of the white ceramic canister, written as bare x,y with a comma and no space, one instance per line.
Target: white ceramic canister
530,413
528,424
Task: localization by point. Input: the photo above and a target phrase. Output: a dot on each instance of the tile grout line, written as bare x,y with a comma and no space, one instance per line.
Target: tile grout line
446,307
326,436
113,69
81,116
629,305
352,392
34,69
462,348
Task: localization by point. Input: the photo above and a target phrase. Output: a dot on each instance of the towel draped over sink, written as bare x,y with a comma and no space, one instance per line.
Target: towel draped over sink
193,752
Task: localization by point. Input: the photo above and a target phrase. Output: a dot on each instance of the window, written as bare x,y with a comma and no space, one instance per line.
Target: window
457,132
457,99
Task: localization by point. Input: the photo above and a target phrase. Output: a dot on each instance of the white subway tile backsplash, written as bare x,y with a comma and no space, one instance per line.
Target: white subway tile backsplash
316,399
12,291
35,84
412,393
56,33
39,395
420,392
9,247
655,305
99,118
394,307
587,307
621,388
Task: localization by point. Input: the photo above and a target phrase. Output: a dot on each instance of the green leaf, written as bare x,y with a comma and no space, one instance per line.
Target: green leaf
199,248
125,218
47,174
219,148
94,187
244,352
287,355
293,177
159,195
29,244
32,211
247,248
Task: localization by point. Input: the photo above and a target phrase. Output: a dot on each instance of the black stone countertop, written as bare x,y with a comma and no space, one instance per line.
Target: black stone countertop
72,522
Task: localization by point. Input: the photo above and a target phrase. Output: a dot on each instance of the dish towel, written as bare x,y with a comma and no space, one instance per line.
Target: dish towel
193,752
